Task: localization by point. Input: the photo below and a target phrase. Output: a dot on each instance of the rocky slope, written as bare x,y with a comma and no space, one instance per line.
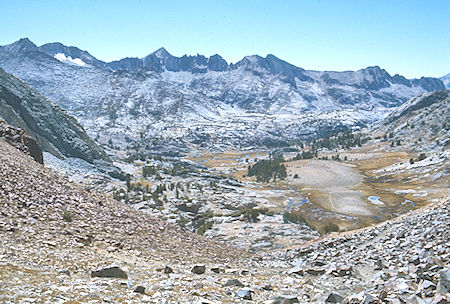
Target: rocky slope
422,123
404,260
162,100
42,201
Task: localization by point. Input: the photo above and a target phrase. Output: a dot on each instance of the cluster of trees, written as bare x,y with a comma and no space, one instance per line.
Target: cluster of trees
149,171
251,214
136,155
342,140
306,155
175,170
268,169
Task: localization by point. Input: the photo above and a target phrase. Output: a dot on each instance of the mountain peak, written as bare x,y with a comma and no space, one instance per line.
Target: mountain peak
161,53
56,48
21,45
446,80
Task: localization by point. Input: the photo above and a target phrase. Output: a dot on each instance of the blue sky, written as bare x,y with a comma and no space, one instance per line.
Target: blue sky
408,37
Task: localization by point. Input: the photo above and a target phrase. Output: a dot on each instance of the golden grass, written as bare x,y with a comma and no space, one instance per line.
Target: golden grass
365,160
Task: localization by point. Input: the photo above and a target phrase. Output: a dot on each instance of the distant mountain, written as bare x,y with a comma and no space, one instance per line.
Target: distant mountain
421,123
162,101
446,80
55,131
53,49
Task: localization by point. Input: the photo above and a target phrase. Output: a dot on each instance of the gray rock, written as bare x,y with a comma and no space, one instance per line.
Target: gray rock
415,260
245,272
168,270
198,269
110,272
233,282
315,271
286,299
368,299
334,298
245,293
444,277
140,289
217,270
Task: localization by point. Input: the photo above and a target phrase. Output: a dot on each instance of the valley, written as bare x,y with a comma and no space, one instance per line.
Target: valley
213,194
352,193
188,179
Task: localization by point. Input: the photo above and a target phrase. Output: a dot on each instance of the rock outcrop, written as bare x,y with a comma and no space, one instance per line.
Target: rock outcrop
22,141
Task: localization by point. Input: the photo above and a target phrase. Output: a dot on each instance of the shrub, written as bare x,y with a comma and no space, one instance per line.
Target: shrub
67,216
251,214
202,229
330,227
182,221
293,217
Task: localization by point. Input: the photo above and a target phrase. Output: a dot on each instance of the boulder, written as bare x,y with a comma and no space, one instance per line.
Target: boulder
285,299
444,277
21,141
140,289
244,293
198,269
316,271
368,299
217,270
334,298
233,282
168,270
110,272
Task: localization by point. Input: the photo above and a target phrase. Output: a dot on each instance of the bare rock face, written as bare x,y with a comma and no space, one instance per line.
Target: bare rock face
22,141
54,130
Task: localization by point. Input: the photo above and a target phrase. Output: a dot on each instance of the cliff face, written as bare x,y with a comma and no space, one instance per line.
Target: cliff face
22,141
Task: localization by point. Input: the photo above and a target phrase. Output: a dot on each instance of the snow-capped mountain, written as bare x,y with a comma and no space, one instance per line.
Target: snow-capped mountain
162,99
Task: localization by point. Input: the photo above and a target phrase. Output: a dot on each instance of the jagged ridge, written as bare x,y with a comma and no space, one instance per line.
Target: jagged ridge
194,99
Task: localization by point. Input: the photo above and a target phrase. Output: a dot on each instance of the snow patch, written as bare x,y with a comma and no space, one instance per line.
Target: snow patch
67,59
